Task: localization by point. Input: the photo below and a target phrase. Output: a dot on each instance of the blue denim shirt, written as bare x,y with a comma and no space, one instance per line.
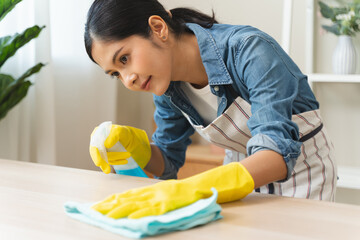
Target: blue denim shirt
256,67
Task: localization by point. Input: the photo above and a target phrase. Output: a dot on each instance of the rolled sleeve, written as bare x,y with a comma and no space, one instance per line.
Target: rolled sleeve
289,149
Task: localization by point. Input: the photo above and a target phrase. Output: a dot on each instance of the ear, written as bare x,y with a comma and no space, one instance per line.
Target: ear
158,27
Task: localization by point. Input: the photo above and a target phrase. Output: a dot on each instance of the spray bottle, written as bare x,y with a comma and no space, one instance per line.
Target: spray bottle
98,139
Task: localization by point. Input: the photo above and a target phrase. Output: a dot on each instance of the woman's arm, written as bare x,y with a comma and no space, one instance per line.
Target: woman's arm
265,166
156,163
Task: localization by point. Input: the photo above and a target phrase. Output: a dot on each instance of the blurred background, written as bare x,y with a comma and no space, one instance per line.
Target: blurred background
72,95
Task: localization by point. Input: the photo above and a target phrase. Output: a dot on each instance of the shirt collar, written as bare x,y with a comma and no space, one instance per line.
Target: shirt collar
214,64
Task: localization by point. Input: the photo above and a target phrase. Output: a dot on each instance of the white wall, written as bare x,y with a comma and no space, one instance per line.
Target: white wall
84,96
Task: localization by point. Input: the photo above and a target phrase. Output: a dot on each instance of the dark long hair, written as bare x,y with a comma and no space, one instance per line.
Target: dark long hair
113,20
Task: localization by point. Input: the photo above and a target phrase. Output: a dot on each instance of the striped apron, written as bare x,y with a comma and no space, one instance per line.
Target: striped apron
315,173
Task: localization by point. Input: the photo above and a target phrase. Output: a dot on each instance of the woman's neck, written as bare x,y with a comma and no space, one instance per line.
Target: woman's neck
187,63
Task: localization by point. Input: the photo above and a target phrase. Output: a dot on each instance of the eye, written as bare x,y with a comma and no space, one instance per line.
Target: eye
123,59
115,74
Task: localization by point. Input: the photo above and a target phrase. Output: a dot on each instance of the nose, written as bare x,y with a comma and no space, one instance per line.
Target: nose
130,79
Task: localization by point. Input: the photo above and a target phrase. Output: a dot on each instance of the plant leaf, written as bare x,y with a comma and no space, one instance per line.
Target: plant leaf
31,71
12,86
333,29
6,6
326,11
15,97
5,80
10,44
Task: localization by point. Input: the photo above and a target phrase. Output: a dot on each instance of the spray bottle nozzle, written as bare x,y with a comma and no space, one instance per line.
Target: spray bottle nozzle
99,137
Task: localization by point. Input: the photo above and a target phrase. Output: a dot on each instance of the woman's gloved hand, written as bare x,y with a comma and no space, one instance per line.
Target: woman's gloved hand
232,181
134,140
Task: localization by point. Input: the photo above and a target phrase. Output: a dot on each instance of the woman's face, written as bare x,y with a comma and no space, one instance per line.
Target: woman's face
141,64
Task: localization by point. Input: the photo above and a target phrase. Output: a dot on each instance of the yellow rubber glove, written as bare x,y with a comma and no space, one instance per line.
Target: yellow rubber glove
232,181
134,140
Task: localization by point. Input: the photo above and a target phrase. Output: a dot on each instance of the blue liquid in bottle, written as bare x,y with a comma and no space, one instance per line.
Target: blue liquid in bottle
129,169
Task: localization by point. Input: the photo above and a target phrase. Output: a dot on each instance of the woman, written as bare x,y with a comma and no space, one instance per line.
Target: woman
232,84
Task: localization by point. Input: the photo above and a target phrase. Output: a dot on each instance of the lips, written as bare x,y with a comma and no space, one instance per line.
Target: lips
146,84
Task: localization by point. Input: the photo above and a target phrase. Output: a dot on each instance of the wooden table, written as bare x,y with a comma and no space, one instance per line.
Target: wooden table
200,158
32,197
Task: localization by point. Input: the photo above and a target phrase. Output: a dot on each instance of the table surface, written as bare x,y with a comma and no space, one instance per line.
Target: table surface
32,197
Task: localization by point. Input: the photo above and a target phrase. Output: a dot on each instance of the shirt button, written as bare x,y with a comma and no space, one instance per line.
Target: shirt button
216,88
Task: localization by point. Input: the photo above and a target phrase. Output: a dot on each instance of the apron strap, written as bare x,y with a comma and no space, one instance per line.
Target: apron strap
232,91
311,134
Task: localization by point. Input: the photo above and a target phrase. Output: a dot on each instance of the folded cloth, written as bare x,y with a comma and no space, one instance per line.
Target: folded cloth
201,212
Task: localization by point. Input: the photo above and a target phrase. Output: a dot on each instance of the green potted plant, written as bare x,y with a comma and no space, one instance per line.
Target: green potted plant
13,90
345,20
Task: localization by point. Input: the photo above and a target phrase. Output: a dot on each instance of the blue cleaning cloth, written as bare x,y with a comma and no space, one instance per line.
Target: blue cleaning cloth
201,212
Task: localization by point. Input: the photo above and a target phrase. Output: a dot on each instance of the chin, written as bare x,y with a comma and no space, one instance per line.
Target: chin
160,91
